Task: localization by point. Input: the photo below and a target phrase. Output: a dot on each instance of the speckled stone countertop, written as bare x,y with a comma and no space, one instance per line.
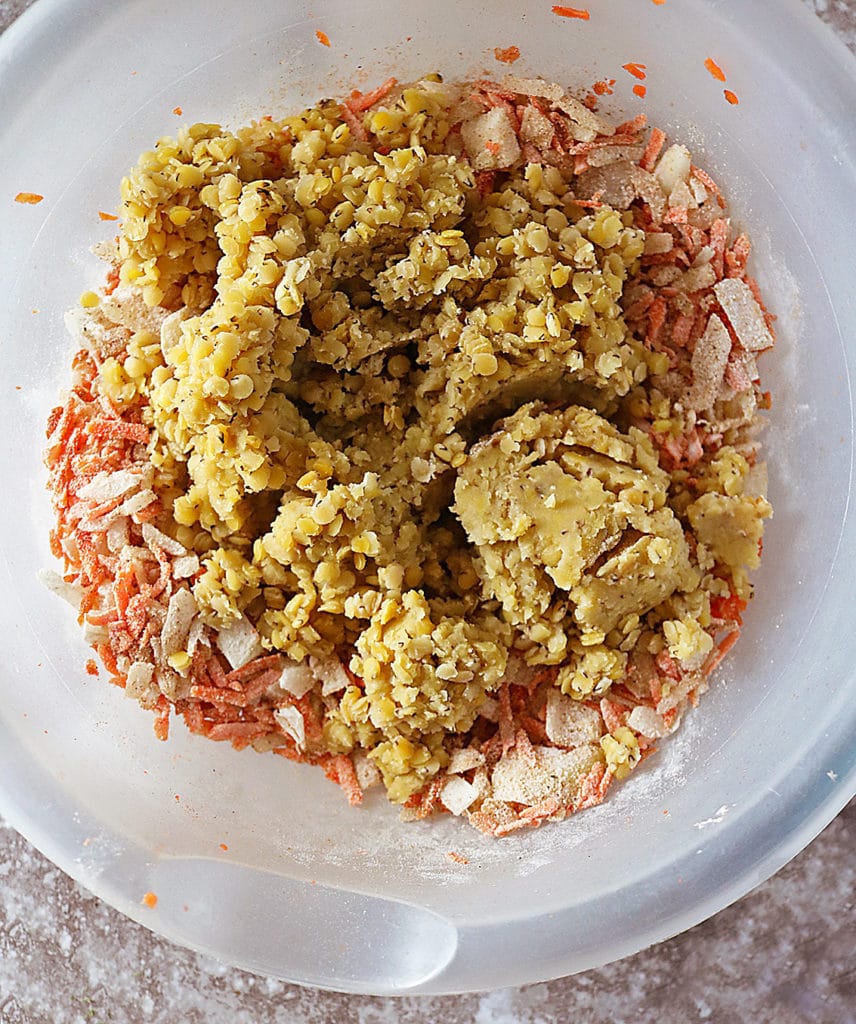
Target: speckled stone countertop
785,954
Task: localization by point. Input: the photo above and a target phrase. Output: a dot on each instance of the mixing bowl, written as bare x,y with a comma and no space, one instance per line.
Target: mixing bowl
309,889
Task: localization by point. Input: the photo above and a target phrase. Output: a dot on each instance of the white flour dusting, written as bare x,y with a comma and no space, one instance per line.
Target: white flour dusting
718,817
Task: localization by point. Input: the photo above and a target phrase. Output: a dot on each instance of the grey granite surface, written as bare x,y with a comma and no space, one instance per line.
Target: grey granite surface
785,954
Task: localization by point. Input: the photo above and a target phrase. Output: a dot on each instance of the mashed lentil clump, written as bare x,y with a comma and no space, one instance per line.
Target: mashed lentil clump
414,437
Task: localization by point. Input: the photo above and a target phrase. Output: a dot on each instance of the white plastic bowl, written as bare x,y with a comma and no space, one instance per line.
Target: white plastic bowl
310,890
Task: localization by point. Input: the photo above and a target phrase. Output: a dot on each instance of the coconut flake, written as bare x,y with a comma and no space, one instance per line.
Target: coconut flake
698,190
296,679
70,592
137,502
155,538
179,615
463,760
171,684
544,772
458,794
673,166
612,154
744,314
697,278
239,642
484,134
646,721
331,674
138,680
704,255
570,723
107,486
118,534
366,771
710,358
127,308
619,184
533,87
537,128
647,187
657,242
170,330
292,724
94,634
132,553
591,123
681,196
196,635
185,566
100,524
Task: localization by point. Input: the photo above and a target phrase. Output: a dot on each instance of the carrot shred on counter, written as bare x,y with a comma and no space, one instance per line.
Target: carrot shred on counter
29,198
106,216
572,12
731,97
177,111
149,900
640,90
322,37
508,55
715,69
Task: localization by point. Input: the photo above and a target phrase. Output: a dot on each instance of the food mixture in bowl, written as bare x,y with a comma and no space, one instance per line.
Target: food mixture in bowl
414,436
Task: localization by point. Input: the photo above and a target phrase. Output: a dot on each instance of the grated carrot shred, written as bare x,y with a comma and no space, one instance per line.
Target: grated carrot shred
604,87
572,12
359,102
162,718
639,71
652,150
28,198
731,97
322,37
508,55
714,69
